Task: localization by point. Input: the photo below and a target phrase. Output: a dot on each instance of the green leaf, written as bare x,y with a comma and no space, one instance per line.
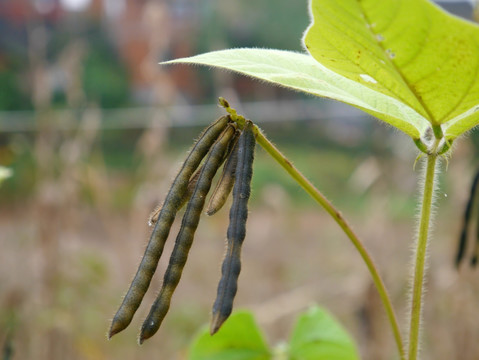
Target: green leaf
238,339
462,123
413,50
301,72
5,173
318,336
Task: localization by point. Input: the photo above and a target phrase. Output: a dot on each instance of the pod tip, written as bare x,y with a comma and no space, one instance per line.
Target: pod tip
148,329
115,328
216,323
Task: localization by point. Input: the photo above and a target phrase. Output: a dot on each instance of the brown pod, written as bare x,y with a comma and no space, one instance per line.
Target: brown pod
154,249
225,183
153,218
185,236
236,233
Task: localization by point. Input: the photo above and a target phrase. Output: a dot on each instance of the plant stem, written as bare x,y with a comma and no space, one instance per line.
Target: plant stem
335,214
421,250
338,217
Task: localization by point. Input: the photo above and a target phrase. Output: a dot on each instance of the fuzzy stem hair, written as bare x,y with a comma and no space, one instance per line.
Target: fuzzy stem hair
421,256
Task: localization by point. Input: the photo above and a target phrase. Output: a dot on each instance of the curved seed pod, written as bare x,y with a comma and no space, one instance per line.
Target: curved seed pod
185,236
153,251
153,218
225,183
236,230
467,217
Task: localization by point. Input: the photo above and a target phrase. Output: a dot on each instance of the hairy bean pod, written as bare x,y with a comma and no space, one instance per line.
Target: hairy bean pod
153,218
225,183
465,226
236,230
185,236
160,233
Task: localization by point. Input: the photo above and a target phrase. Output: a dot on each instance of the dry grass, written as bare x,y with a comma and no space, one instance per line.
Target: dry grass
66,261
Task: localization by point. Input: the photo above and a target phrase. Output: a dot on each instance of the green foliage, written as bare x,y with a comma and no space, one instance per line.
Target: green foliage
105,80
316,336
104,76
252,24
406,62
11,95
5,173
238,339
301,72
413,50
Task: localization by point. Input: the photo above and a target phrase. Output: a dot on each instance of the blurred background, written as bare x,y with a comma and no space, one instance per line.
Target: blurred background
92,130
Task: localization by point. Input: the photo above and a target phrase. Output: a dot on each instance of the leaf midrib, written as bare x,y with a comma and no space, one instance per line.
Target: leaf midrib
389,60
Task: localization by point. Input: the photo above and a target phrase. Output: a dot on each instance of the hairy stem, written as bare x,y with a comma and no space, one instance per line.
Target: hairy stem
335,214
421,250
343,224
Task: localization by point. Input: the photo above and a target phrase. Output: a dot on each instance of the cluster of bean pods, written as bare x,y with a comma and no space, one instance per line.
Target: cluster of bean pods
221,142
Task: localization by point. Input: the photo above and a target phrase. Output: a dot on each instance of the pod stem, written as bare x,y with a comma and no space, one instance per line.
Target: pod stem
335,214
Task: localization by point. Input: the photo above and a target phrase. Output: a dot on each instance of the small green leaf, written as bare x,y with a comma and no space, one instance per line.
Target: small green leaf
238,339
5,173
318,336
416,53
301,72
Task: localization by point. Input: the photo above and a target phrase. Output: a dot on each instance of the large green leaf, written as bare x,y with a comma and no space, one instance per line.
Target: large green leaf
238,339
301,72
318,336
414,51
